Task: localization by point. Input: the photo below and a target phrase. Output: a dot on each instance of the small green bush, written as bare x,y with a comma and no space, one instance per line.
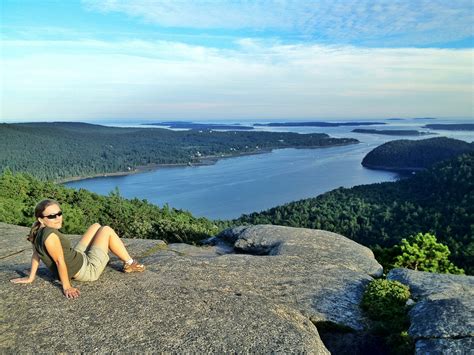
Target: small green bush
384,302
383,299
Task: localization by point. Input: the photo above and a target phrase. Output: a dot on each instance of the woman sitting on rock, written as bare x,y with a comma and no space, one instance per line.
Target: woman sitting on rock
85,262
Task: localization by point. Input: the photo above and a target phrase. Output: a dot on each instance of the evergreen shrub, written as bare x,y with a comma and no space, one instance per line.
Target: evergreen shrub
385,299
384,302
422,252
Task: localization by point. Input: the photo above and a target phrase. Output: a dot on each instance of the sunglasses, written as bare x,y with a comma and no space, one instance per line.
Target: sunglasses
53,216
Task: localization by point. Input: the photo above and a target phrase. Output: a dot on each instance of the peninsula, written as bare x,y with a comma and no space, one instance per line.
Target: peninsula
415,155
61,151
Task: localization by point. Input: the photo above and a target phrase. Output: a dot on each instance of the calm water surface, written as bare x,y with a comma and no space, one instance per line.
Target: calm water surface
247,184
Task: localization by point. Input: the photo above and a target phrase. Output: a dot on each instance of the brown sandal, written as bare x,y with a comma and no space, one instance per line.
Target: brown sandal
133,267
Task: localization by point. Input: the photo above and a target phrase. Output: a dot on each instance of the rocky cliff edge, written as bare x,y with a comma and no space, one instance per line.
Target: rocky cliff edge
253,289
442,319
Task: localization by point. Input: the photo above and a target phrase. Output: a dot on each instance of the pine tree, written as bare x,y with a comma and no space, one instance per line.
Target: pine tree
422,252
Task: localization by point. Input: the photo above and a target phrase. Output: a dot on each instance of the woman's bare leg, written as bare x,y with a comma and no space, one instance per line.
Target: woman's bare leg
106,239
90,234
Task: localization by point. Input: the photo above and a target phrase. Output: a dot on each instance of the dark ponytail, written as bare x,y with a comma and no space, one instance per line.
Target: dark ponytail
33,231
39,209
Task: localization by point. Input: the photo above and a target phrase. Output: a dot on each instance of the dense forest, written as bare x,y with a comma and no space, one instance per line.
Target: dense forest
19,193
415,154
55,151
439,201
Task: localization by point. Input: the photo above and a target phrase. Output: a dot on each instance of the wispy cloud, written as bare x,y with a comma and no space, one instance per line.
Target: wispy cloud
383,22
257,79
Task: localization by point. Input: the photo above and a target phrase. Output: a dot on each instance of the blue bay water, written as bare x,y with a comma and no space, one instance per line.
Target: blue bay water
246,184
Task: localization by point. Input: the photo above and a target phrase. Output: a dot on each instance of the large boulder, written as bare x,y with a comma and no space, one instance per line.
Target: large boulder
318,272
442,319
254,289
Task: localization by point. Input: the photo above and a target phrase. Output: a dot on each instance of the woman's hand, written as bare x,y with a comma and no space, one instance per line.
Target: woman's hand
71,292
22,280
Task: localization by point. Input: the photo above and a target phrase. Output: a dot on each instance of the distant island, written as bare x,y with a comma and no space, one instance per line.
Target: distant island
414,155
413,118
451,126
389,132
317,124
62,151
192,125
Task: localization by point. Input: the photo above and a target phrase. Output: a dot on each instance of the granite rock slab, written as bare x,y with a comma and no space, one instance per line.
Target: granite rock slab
442,319
213,299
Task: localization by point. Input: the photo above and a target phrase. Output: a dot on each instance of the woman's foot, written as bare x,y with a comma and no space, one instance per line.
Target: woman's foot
134,266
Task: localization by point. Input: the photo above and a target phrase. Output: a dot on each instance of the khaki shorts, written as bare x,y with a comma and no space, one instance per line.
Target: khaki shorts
95,261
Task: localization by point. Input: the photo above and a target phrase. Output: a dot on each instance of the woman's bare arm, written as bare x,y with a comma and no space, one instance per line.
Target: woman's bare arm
55,250
35,260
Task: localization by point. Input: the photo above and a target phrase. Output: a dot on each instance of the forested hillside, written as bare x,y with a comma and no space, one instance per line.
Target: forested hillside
415,154
439,201
19,193
53,151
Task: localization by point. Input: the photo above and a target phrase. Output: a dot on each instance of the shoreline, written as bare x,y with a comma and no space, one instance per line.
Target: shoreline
393,169
203,161
395,133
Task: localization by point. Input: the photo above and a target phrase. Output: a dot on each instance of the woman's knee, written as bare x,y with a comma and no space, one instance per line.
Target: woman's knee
106,229
93,228
102,237
95,225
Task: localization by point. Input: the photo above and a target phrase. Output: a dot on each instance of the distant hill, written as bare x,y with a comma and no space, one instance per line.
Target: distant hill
317,124
439,200
452,127
192,125
391,132
60,150
414,155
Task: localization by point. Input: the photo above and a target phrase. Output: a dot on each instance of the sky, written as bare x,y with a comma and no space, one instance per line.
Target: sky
71,60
